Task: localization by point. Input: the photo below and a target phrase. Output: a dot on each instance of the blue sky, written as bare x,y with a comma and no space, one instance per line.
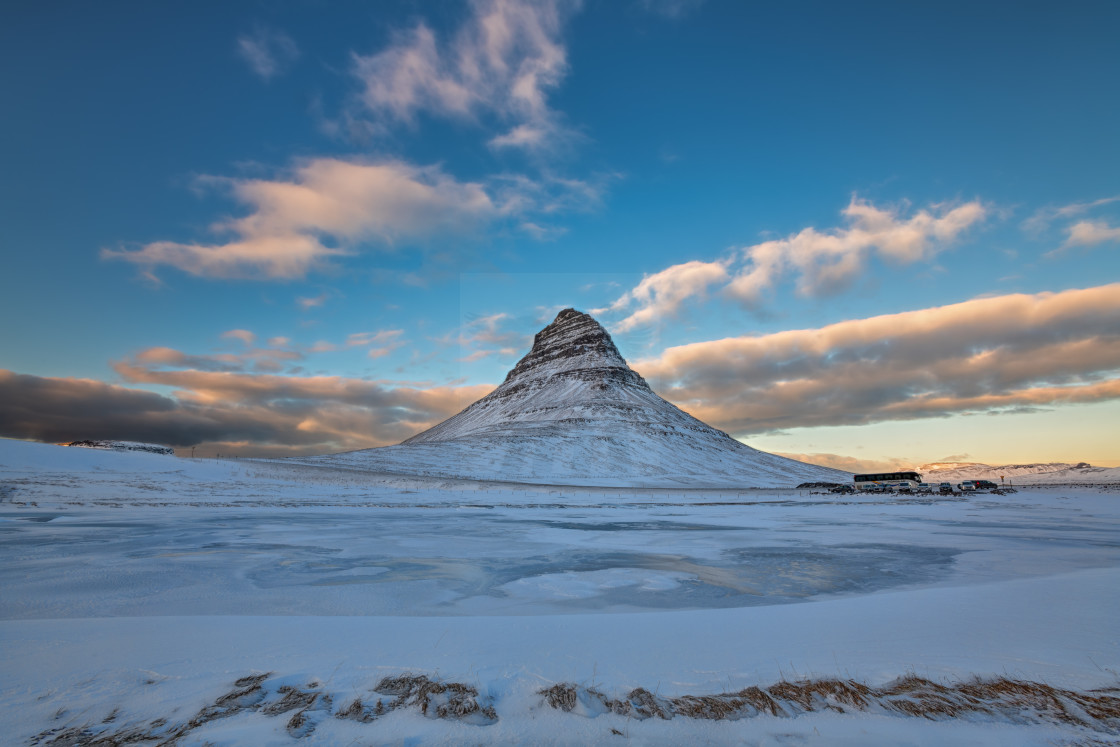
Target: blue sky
870,233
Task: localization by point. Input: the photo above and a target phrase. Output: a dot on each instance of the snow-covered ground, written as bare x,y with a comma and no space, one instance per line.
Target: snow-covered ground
138,590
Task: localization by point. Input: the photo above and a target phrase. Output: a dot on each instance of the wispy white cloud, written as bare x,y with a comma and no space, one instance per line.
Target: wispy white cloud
268,52
502,61
307,303
485,336
1043,218
1085,232
987,354
380,343
365,339
244,335
821,262
1091,233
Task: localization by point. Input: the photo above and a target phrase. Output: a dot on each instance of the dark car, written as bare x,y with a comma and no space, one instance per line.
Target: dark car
843,489
985,485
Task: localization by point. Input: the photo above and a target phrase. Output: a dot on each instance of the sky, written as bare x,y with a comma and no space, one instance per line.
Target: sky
864,234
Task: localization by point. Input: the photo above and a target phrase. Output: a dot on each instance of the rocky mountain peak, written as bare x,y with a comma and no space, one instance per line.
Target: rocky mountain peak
573,341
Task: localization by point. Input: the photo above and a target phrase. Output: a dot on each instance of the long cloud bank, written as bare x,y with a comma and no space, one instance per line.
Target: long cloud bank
988,354
1003,353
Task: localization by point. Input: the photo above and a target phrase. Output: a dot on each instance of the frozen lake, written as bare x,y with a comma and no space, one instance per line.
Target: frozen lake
504,560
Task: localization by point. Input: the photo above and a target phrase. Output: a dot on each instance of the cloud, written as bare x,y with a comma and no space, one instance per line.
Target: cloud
987,354
1086,232
1090,233
501,62
271,359
252,414
821,262
380,344
244,335
665,291
1041,220
361,339
268,52
327,208
307,303
485,336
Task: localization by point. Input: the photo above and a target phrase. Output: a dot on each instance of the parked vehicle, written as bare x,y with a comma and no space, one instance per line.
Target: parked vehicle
968,486
945,488
986,485
925,487
843,489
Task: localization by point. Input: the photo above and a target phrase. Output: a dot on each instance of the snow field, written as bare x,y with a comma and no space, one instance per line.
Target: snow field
142,587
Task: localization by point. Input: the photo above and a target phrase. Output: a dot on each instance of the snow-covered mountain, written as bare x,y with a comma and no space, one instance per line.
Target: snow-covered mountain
1049,473
572,412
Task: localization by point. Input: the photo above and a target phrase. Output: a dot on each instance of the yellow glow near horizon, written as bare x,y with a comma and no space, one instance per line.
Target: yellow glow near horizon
1069,433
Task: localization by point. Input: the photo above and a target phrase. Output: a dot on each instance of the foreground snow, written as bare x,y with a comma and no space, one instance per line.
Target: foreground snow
139,589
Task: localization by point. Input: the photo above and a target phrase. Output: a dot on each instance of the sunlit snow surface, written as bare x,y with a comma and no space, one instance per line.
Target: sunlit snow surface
706,589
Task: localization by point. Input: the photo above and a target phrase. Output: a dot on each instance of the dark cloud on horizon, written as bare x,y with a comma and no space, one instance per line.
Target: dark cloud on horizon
247,414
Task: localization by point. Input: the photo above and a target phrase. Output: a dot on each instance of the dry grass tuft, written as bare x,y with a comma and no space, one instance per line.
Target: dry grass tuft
562,696
308,706
446,700
293,698
1016,701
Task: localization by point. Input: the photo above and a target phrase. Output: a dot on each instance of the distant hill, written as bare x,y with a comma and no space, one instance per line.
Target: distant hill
124,446
1021,474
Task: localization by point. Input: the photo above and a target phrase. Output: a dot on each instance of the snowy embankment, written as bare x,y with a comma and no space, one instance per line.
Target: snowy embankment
249,603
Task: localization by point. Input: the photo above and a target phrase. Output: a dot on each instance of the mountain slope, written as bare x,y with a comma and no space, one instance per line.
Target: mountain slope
572,412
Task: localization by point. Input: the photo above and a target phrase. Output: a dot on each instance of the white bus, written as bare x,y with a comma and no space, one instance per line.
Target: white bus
888,480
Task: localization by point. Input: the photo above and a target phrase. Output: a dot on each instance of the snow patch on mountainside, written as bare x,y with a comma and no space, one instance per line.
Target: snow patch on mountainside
572,412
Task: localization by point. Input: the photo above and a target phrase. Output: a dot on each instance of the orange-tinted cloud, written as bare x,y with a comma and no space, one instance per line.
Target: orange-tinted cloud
1003,352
